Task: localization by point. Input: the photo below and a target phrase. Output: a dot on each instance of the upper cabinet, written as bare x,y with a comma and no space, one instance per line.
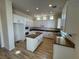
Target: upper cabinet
27,21
19,19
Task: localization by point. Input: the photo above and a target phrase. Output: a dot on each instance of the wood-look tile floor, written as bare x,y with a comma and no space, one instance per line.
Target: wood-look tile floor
44,51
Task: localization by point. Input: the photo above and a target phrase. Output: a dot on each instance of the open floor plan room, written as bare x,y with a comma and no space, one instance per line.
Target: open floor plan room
39,29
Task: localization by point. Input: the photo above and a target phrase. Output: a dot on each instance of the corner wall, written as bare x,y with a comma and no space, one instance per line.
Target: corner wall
72,23
7,24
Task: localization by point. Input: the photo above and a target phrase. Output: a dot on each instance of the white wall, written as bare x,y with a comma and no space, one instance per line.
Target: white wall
7,24
45,23
72,22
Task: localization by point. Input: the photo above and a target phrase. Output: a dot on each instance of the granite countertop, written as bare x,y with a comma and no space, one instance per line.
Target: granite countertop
34,35
44,29
64,42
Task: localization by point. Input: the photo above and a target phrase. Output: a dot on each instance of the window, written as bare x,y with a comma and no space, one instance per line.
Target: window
51,17
44,18
59,23
38,18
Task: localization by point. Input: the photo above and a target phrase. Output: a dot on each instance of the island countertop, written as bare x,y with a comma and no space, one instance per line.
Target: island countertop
34,35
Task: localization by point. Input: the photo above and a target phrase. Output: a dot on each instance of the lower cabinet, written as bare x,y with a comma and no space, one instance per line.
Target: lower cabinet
61,52
33,43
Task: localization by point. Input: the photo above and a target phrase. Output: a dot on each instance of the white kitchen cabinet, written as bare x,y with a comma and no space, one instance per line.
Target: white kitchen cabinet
18,19
32,43
62,52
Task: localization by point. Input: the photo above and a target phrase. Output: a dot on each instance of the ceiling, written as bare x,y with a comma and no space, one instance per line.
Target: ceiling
43,6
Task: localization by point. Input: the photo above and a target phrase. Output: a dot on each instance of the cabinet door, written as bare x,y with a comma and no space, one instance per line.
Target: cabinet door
40,38
19,19
15,20
31,44
61,52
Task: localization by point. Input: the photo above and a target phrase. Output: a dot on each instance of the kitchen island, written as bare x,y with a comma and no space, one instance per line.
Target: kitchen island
33,40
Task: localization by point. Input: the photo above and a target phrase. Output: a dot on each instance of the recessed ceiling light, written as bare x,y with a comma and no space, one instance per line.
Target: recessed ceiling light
51,17
38,18
37,8
50,5
27,10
